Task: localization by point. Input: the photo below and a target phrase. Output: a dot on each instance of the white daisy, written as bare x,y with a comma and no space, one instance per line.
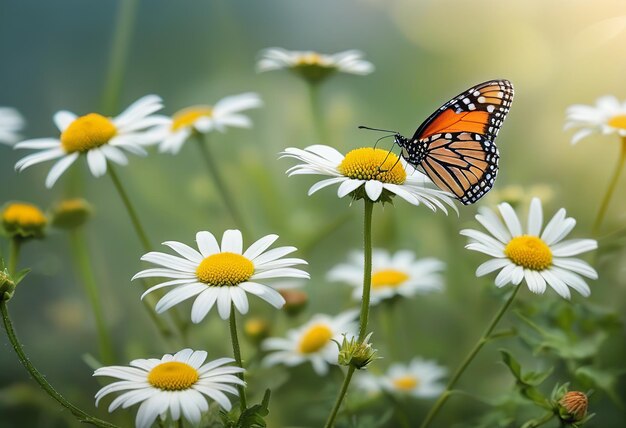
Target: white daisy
420,378
367,172
204,118
313,65
536,256
97,137
174,385
399,274
219,275
11,123
314,342
608,116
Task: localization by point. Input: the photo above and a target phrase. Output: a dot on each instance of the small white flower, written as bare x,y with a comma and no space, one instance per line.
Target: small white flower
11,123
314,342
218,275
313,65
420,378
399,274
204,119
367,172
175,385
97,137
608,116
536,256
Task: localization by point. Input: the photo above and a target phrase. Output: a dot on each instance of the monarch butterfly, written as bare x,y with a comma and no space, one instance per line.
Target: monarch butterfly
455,146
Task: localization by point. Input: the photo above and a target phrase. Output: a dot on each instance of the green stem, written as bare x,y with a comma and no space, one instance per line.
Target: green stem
468,359
237,353
80,253
342,393
139,230
609,191
15,246
365,302
40,379
205,151
539,421
120,46
316,113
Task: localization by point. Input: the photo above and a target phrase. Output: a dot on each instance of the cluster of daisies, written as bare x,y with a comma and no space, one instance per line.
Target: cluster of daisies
221,276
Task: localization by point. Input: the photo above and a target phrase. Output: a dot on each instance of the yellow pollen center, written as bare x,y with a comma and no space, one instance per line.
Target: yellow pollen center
315,338
406,383
311,58
388,278
24,215
373,164
224,269
187,117
618,121
173,376
529,252
87,132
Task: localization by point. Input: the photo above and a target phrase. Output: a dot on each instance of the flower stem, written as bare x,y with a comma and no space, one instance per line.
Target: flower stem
141,233
539,421
365,303
609,191
316,113
203,145
80,253
124,23
468,359
237,353
40,379
15,246
147,246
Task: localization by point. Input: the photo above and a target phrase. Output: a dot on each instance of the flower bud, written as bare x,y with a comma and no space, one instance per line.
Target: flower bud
295,301
7,286
573,406
256,329
71,213
23,220
355,353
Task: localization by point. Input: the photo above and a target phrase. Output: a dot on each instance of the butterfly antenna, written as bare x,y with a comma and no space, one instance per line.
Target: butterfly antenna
387,157
377,129
382,138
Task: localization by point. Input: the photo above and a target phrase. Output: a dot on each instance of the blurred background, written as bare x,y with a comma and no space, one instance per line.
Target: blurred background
57,55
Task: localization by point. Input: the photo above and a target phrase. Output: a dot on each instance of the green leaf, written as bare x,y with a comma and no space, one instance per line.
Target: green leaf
254,416
512,364
18,277
603,379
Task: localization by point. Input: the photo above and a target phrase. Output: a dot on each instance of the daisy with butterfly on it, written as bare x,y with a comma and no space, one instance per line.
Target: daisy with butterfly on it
198,122
536,255
607,117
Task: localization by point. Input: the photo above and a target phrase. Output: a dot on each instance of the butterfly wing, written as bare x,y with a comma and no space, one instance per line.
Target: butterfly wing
455,145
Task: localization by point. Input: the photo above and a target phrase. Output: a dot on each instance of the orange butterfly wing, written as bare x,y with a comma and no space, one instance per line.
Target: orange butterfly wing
455,145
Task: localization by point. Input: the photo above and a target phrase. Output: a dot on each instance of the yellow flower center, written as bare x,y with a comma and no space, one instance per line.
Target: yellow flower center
173,376
312,58
406,383
388,278
373,164
87,132
618,121
315,338
24,215
224,269
187,117
530,252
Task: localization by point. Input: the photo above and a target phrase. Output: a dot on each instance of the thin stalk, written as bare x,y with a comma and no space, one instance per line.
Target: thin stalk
609,191
316,113
118,55
80,254
365,302
237,353
218,181
134,218
147,246
540,421
15,246
40,378
468,359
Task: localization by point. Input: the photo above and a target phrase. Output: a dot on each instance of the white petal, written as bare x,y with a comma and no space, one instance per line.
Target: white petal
62,119
272,255
554,227
556,284
574,247
373,188
185,250
268,294
535,281
511,219
149,411
39,144
223,302
207,244
97,162
576,265
238,296
259,246
59,168
325,183
232,241
491,265
40,157
203,304
114,154
504,277
535,217
348,186
178,295
572,280
492,223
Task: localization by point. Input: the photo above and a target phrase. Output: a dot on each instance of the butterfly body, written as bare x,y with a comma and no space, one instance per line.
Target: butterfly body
455,147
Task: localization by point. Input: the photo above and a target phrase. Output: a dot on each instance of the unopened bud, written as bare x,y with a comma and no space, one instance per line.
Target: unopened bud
256,329
355,353
71,213
295,300
573,406
7,286
23,220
